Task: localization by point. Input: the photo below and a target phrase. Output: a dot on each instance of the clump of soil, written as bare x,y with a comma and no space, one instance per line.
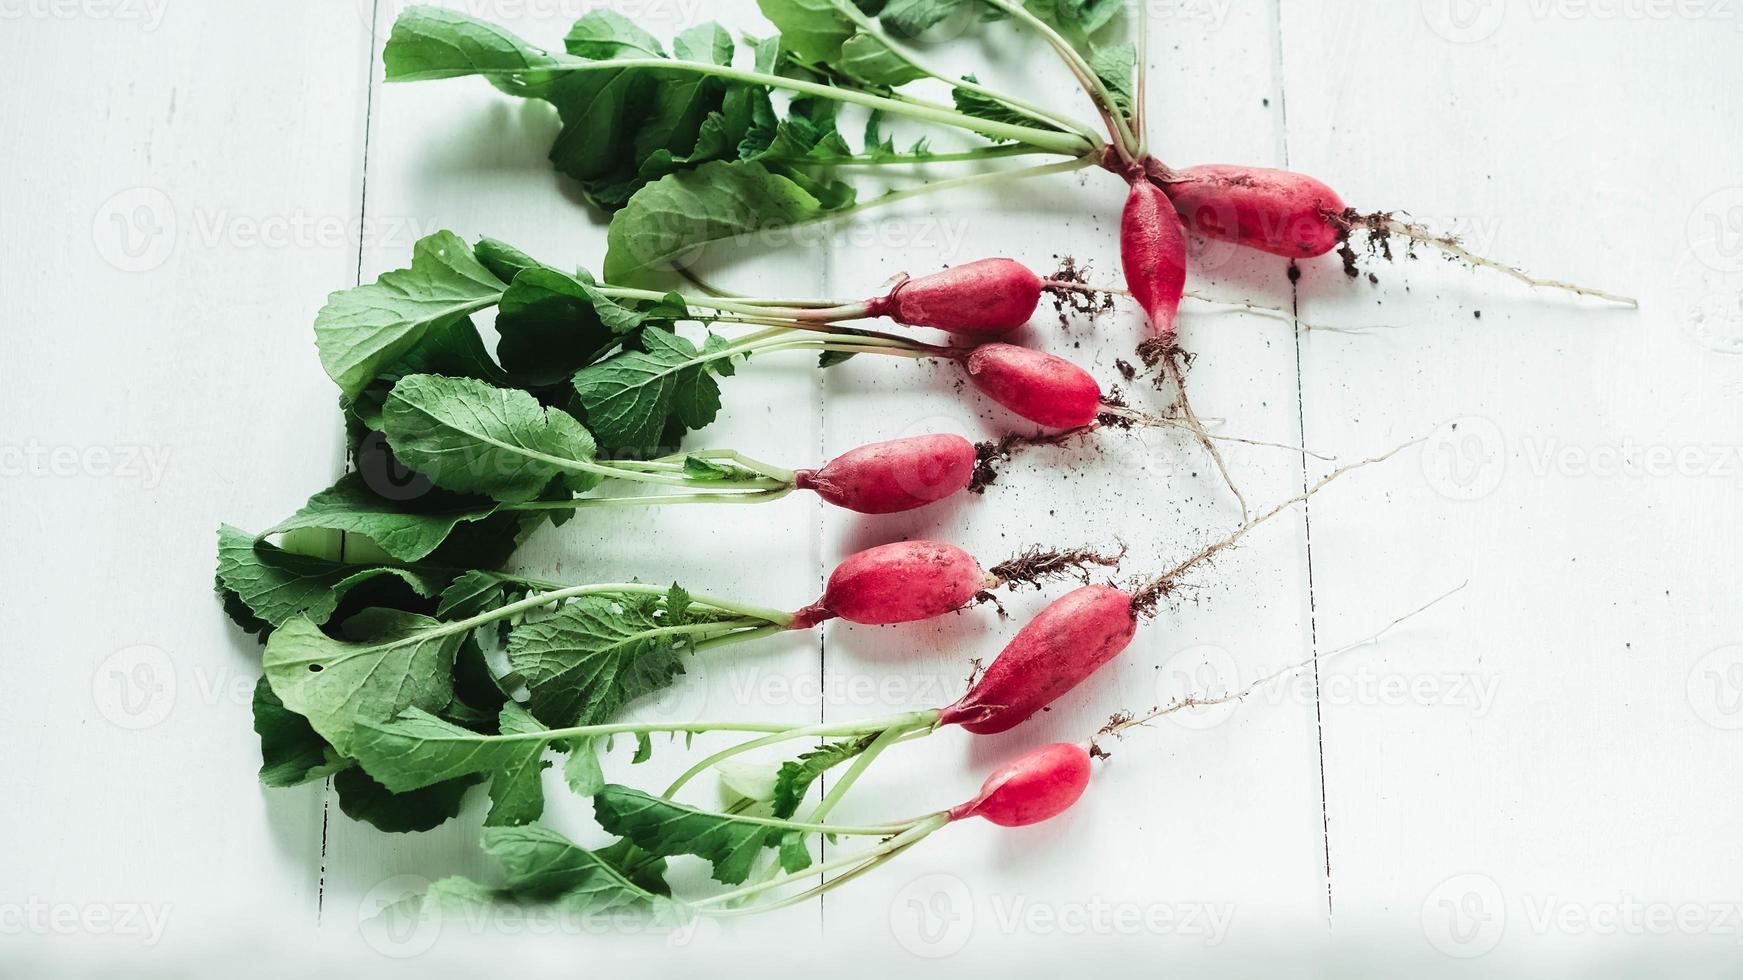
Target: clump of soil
1381,226
1037,565
1146,599
1067,300
985,596
988,454
1115,420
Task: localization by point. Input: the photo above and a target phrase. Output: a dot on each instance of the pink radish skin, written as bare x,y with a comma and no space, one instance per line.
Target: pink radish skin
984,298
1036,787
1153,254
1074,635
1042,388
1276,211
897,583
898,475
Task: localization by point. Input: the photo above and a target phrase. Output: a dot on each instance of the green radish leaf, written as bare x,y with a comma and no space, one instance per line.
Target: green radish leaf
585,661
453,349
826,32
504,260
418,750
716,202
709,43
792,852
1081,17
478,695
678,608
276,585
291,752
647,871
541,866
539,863
807,135
604,35
1116,65
697,468
582,771
478,591
469,437
870,60
394,660
430,42
363,329
795,777
1075,19
814,30
644,748
830,358
450,893
362,798
630,398
730,843
550,323
622,127
981,107
404,533
911,17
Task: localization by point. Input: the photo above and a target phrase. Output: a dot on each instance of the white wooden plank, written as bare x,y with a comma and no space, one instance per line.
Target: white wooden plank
180,192
1572,144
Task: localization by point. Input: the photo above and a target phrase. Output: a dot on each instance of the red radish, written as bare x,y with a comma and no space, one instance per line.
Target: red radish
1040,387
1153,254
1074,635
1036,787
1276,211
1297,216
898,583
898,475
984,297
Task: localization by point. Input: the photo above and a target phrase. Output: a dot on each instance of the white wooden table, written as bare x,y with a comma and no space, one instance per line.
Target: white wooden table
1542,769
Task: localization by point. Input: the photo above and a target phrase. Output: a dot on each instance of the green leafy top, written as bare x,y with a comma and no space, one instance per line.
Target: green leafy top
729,842
541,866
361,330
393,660
470,437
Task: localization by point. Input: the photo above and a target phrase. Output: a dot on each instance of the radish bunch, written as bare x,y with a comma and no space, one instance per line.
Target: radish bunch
405,663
